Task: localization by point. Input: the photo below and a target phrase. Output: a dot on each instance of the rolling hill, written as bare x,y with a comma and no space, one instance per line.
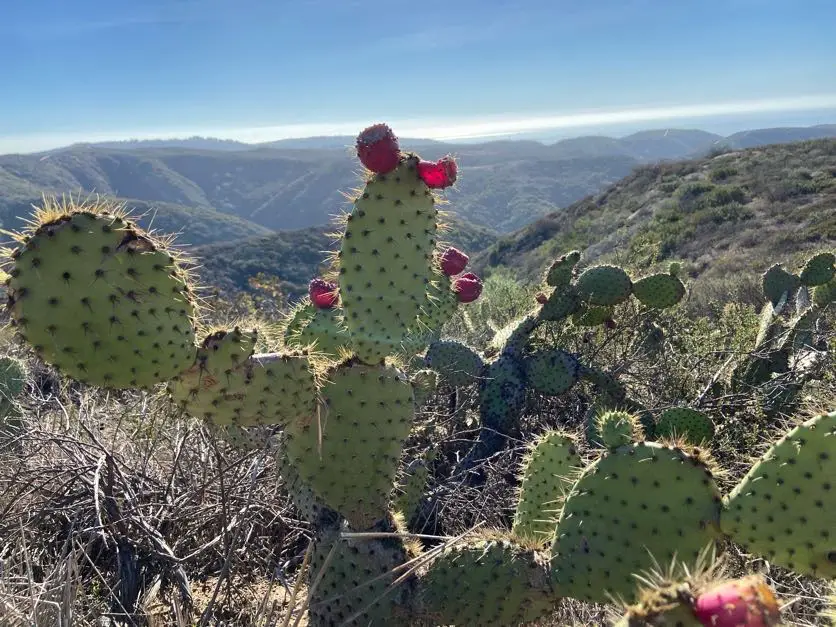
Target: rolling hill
725,216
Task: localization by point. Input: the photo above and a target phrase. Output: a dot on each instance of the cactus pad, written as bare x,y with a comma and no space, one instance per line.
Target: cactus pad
548,470
562,303
12,378
424,385
229,385
604,286
386,260
456,363
689,424
356,587
783,509
659,291
552,372
618,428
640,500
487,582
592,316
102,301
366,416
818,270
825,294
776,282
324,330
501,395
560,272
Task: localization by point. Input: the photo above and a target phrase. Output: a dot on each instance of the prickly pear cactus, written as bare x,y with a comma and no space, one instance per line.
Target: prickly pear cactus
635,504
561,271
777,282
321,328
659,291
561,303
825,294
783,509
100,299
490,581
386,259
456,363
548,471
348,452
618,428
604,286
552,372
818,270
412,486
691,425
592,316
501,395
228,384
424,385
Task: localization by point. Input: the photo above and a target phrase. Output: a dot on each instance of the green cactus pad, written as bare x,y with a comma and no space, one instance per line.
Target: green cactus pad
552,372
100,300
411,487
440,306
592,316
783,509
818,270
296,319
456,363
502,394
560,272
424,385
604,286
776,282
324,331
386,260
618,428
691,425
309,505
487,582
356,587
562,303
548,471
12,378
366,416
635,502
824,295
518,336
659,291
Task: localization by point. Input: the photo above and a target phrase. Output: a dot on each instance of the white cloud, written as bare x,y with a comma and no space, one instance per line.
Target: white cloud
444,129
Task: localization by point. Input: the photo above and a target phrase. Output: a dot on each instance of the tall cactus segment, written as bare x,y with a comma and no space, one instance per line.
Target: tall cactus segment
552,372
490,581
349,452
691,425
783,509
548,470
659,291
638,503
386,259
228,384
604,286
100,299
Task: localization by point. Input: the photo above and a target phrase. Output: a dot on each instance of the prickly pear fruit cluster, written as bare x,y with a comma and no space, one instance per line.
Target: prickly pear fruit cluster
229,384
783,509
691,425
552,372
491,581
548,470
639,503
385,260
659,291
348,451
100,299
456,363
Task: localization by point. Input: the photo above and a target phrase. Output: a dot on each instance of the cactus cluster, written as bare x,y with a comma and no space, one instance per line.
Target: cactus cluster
342,405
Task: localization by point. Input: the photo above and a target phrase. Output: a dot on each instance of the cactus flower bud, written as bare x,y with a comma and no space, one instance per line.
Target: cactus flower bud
377,149
468,287
453,261
438,174
323,294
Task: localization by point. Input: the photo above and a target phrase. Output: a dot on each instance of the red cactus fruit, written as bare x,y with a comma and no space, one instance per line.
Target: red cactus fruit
323,293
541,298
377,148
746,602
467,287
438,174
453,261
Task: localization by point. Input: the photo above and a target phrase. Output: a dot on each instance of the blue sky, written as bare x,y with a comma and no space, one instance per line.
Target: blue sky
265,69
